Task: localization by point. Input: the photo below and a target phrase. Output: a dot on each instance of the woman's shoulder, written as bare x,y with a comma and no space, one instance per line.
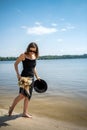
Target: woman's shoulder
22,56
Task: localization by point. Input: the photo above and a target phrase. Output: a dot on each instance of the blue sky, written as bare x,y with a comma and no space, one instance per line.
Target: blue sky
58,26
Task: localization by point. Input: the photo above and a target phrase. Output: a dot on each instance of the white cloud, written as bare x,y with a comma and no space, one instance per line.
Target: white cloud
38,23
39,30
68,27
60,40
63,29
54,24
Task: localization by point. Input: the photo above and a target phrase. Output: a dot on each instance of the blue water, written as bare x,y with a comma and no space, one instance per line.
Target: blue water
64,77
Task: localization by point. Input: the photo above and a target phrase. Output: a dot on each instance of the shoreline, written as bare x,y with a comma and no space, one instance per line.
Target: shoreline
17,122
58,108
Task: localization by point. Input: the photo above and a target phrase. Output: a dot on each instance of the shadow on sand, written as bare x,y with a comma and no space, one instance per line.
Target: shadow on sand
5,118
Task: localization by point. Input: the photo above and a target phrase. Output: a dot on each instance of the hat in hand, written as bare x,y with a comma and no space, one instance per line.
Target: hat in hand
40,86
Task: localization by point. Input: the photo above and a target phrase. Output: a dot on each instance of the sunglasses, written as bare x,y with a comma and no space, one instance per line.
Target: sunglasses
32,51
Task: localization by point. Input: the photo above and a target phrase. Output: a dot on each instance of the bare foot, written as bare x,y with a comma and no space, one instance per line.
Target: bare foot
10,111
27,115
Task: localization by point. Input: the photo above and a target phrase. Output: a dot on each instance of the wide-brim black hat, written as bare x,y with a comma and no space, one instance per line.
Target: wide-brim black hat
40,86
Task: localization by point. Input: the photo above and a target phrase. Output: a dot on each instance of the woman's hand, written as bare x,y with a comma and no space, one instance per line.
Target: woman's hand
38,78
18,76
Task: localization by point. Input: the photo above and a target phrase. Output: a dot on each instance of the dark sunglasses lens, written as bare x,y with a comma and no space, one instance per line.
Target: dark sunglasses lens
32,51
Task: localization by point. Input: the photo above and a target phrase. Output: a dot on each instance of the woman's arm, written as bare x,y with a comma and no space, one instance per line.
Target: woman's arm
36,75
19,59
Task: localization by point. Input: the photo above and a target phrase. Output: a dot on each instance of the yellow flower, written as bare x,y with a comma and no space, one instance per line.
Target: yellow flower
25,83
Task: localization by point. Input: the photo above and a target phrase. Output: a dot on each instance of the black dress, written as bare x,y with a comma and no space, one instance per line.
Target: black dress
28,71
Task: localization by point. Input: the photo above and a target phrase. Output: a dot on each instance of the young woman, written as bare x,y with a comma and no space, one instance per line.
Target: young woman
28,60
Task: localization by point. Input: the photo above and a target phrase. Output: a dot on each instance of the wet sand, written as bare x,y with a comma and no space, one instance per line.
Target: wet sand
56,112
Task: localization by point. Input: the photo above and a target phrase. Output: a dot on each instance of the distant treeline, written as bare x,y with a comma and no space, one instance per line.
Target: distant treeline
7,58
48,57
63,57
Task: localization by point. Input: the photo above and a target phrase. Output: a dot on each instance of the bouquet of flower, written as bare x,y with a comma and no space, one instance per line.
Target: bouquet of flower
25,83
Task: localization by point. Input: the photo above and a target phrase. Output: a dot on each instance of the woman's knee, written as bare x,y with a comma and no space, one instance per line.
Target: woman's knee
21,96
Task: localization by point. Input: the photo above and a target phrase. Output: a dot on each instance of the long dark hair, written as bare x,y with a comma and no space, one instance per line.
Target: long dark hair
33,45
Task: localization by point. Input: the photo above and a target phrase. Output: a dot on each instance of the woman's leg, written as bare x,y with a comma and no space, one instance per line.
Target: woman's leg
16,100
26,101
25,111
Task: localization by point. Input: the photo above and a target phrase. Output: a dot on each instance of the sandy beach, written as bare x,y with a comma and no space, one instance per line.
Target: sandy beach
16,122
49,113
